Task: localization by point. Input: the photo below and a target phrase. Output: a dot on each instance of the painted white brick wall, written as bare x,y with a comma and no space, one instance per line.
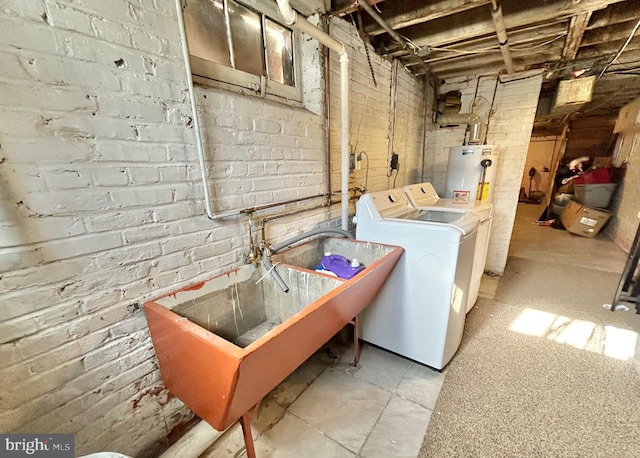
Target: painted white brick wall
509,128
101,201
370,116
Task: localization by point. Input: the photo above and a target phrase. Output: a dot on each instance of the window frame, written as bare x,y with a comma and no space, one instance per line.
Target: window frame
212,74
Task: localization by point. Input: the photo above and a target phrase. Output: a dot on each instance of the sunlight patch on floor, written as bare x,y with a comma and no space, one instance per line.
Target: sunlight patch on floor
609,341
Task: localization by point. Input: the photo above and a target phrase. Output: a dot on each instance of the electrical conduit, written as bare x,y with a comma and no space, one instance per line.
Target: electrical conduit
300,23
196,120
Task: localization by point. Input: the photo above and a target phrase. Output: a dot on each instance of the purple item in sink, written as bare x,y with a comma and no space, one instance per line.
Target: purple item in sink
340,265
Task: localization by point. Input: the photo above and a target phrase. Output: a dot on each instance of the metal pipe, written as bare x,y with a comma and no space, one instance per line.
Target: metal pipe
472,120
293,19
315,207
196,121
327,104
250,210
424,128
490,115
391,132
501,32
364,4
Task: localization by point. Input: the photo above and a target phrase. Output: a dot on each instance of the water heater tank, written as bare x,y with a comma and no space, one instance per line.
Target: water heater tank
471,173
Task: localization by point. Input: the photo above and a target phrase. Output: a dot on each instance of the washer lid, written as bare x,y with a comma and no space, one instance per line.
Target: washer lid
421,195
394,205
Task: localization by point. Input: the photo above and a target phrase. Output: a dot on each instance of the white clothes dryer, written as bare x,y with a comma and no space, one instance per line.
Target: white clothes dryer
423,196
420,311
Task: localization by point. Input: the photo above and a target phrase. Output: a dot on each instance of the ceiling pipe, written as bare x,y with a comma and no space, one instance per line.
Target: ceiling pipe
364,4
293,19
472,120
501,32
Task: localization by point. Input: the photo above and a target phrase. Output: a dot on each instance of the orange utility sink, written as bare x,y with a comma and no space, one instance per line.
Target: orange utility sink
225,343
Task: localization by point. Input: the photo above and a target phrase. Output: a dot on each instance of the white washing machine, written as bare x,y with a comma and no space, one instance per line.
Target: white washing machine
420,311
423,196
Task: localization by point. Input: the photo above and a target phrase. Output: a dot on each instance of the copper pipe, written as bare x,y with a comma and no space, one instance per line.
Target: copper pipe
280,204
267,219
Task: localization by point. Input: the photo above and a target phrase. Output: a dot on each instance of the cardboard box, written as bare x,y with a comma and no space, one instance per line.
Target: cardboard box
584,221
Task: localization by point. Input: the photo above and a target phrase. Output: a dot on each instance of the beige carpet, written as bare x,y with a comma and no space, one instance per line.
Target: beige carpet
544,387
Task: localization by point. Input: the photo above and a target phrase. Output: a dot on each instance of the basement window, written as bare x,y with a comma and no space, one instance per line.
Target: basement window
242,46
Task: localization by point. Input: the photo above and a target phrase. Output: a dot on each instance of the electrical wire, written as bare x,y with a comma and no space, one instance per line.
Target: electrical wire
621,50
462,51
366,175
396,177
491,49
544,43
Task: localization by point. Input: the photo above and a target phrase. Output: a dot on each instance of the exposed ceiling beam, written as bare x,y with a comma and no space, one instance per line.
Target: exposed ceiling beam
607,34
522,40
408,13
309,7
488,64
517,14
577,27
621,12
342,7
609,48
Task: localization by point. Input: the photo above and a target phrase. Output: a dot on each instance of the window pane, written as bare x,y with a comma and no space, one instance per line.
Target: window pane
246,36
280,54
206,30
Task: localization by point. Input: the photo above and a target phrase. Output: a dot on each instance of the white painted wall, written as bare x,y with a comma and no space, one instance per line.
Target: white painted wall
371,116
514,107
625,205
101,200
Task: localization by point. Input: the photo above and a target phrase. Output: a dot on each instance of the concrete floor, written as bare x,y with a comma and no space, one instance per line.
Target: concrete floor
532,241
382,408
328,408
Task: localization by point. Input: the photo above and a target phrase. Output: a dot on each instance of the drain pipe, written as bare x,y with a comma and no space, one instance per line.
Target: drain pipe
472,120
194,442
501,32
300,23
311,233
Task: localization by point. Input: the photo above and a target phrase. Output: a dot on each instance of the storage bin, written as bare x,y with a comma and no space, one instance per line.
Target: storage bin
599,176
594,195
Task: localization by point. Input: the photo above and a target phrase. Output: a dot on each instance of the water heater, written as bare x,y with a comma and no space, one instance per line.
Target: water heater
471,173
